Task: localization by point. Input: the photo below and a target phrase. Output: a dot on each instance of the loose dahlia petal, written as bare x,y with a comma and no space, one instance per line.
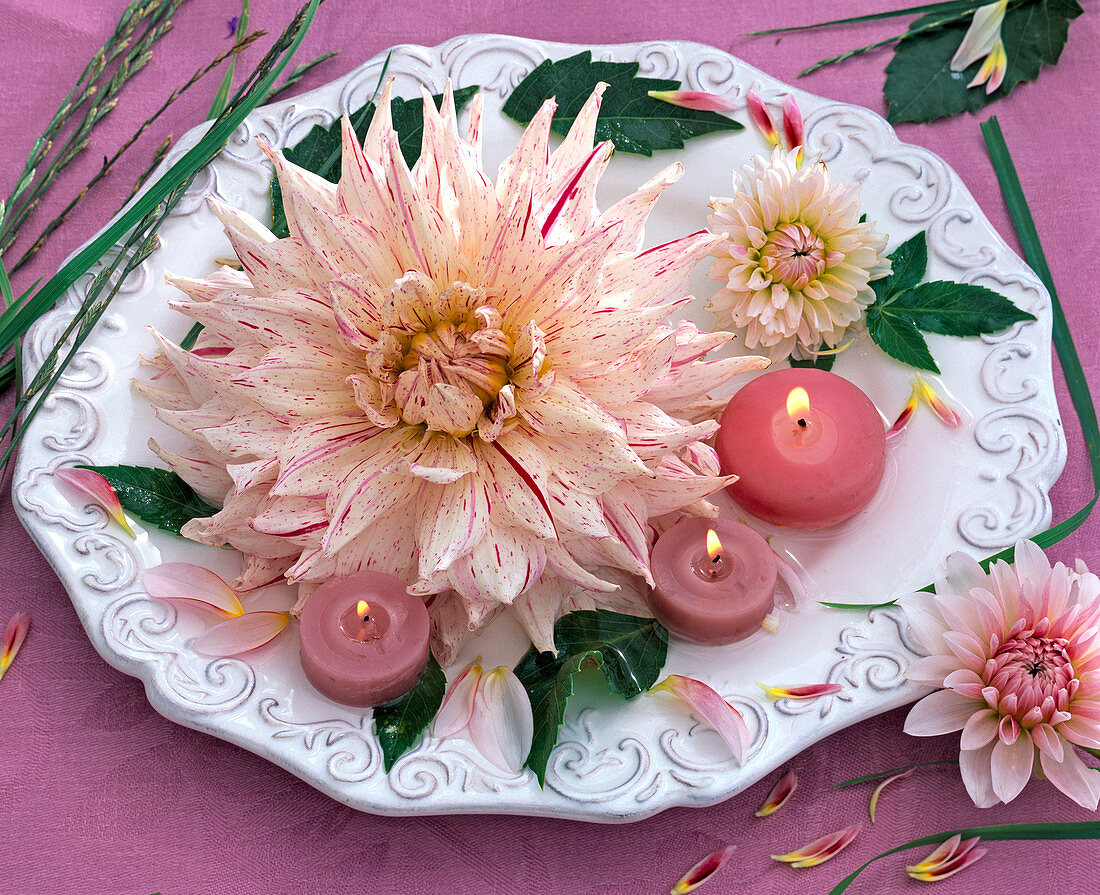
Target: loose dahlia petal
14,634
947,859
185,581
713,709
93,485
820,850
693,99
777,798
240,634
878,791
805,691
501,723
982,36
703,871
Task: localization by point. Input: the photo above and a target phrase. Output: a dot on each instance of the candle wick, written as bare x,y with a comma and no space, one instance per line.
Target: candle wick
716,558
802,423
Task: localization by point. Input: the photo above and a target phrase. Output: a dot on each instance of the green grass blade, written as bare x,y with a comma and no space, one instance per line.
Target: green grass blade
222,96
1079,392
950,6
867,778
15,321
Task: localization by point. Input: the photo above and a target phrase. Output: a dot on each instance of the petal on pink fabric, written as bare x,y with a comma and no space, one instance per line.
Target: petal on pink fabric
712,708
693,99
15,632
186,581
454,713
777,798
94,486
820,850
947,859
703,870
873,806
241,634
501,723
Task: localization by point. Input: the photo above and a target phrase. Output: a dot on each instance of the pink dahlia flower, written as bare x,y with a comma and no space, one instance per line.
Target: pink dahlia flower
1016,653
469,386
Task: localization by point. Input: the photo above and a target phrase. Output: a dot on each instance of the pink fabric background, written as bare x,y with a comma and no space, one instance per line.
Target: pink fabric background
98,793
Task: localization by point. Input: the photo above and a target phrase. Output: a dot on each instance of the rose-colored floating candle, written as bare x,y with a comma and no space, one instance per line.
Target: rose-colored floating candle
364,639
809,448
712,593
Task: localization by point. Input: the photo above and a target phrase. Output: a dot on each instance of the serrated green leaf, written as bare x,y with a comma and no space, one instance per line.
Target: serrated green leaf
899,337
629,117
319,150
957,309
156,496
920,85
399,724
822,362
907,265
629,651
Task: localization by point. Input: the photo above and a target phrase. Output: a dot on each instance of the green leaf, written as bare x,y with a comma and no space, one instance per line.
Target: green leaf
899,337
629,651
821,362
862,607
319,150
907,265
1087,829
920,85
957,309
629,117
189,340
399,724
156,496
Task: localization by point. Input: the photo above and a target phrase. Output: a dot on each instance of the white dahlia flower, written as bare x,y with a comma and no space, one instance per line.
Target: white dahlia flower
795,260
471,387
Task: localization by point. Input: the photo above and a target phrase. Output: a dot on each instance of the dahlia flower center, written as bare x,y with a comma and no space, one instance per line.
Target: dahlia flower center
1031,666
794,255
455,353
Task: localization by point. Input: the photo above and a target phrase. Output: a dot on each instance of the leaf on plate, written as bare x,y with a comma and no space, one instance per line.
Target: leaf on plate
957,309
920,85
399,724
899,337
821,362
629,116
629,651
907,265
156,496
319,150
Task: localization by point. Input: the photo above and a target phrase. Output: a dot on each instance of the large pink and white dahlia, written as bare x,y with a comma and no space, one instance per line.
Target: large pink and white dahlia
469,386
1017,654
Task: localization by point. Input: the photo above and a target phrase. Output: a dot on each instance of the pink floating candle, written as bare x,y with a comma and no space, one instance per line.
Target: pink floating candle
715,593
364,639
808,446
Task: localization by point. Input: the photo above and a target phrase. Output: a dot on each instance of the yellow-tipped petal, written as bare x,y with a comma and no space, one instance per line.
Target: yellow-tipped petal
878,791
702,871
14,635
820,850
804,691
946,413
94,486
777,798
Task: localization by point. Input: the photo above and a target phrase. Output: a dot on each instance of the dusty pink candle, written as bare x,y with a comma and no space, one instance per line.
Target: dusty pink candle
712,599
364,661
808,467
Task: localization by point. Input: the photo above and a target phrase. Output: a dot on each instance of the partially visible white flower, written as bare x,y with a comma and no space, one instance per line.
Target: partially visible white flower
796,261
492,711
983,41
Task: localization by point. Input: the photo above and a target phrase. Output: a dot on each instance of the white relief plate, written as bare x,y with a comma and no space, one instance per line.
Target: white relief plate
978,488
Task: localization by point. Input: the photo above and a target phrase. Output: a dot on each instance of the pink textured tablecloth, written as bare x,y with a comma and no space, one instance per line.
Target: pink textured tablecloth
99,794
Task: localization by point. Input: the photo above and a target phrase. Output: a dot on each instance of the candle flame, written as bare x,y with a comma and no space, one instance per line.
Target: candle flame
798,403
714,546
362,609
